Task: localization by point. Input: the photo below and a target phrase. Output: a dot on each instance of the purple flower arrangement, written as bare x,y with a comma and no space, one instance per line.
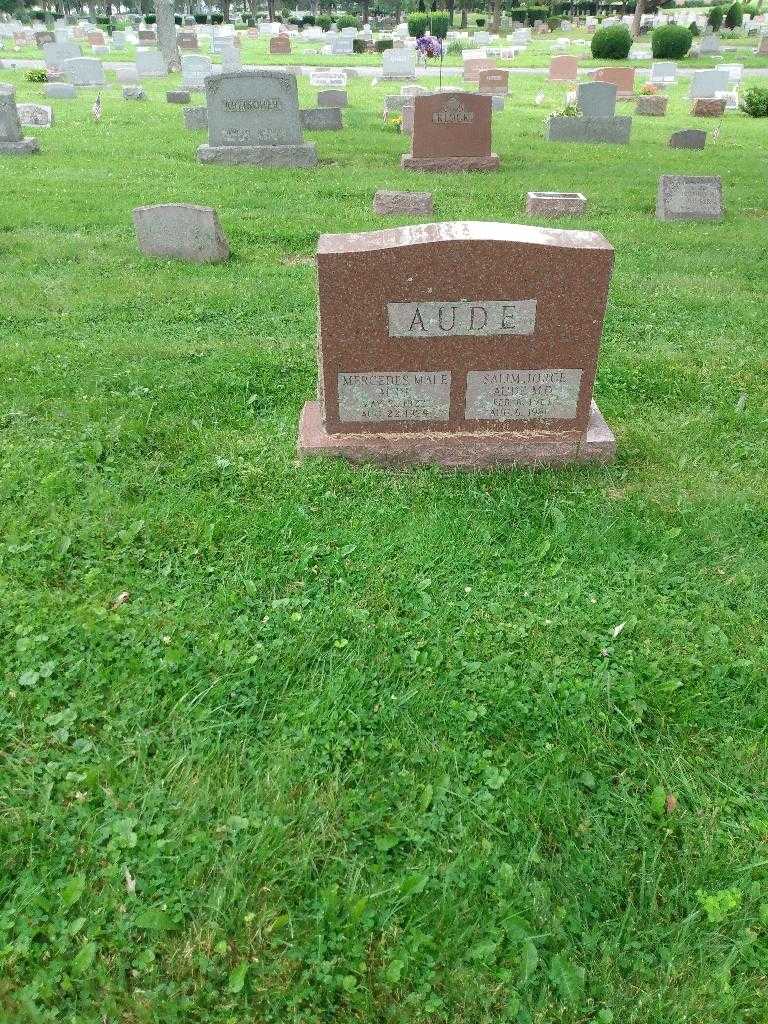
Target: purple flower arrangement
428,47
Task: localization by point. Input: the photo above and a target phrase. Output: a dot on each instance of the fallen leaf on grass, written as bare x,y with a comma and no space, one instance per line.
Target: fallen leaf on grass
618,629
122,598
671,803
130,882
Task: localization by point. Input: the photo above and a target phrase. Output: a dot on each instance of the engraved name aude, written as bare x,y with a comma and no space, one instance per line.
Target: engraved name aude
480,319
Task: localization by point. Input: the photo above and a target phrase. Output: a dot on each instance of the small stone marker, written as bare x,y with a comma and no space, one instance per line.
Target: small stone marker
332,98
708,108
493,83
84,71
651,106
133,92
280,44
563,69
555,204
689,197
12,142
327,78
688,138
35,115
196,118
451,132
178,96
180,231
59,91
476,346
321,119
253,118
387,203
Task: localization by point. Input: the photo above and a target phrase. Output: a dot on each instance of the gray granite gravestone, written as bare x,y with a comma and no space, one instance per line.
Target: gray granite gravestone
84,71
59,91
180,231
11,139
688,138
321,119
332,98
196,118
253,118
596,102
689,197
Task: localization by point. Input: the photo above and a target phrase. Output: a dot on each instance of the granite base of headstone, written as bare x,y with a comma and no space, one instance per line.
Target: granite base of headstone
689,197
387,203
180,231
134,92
476,346
708,107
597,121
688,138
178,96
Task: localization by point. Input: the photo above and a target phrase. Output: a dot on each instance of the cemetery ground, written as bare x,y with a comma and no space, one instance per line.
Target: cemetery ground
308,742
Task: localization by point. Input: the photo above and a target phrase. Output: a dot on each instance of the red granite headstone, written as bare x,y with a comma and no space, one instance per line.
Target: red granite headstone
474,66
476,344
493,83
563,69
280,44
451,132
622,78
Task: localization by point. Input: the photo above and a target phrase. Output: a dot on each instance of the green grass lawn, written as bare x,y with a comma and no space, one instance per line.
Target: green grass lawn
362,746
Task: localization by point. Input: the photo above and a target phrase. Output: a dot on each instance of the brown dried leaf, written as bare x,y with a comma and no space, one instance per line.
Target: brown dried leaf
122,598
670,803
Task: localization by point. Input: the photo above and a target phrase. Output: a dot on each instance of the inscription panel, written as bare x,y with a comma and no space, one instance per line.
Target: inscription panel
693,197
386,397
481,319
522,394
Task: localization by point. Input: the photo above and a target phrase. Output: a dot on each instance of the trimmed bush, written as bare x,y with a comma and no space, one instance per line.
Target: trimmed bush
417,24
715,18
693,28
734,16
755,102
217,19
359,46
612,43
480,22
347,21
324,22
308,19
201,19
670,42
150,19
553,24
439,23
384,44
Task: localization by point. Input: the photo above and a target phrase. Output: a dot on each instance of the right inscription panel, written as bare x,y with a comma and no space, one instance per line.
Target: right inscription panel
522,394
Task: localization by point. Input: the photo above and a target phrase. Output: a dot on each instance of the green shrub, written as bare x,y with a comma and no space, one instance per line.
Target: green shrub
347,21
417,24
455,48
384,44
670,42
359,46
37,75
201,19
612,43
150,19
439,23
308,19
755,102
693,28
734,16
553,24
324,22
178,19
480,22
217,19
715,18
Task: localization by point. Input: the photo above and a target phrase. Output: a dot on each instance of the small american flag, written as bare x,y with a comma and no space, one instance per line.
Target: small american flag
96,109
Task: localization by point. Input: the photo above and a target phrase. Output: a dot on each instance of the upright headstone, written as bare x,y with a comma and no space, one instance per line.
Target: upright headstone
188,41
253,118
196,118
493,83
563,69
477,345
622,78
280,44
84,71
150,64
332,98
709,84
689,197
451,132
195,68
597,103
688,138
55,54
12,142
398,65
473,67
166,34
